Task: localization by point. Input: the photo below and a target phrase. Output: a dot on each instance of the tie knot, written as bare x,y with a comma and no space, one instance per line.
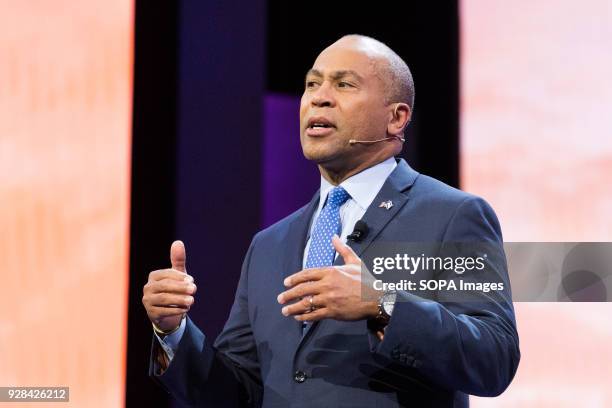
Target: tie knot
337,196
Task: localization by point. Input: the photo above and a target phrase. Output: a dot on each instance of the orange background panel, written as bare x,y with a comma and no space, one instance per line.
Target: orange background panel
536,97
65,119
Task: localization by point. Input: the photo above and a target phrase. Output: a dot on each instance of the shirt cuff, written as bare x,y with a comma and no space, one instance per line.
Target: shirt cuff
171,342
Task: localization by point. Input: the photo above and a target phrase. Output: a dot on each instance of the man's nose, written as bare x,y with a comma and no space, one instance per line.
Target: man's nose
323,97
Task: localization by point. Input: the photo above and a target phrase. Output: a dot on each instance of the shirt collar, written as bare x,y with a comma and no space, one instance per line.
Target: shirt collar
363,186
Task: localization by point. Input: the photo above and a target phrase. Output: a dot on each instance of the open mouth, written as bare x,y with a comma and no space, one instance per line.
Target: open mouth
319,126
319,123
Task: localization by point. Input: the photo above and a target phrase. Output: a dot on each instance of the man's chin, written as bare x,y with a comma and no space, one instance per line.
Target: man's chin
318,156
331,161
322,153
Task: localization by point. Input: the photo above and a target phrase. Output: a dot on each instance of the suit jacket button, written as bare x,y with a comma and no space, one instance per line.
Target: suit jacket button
299,376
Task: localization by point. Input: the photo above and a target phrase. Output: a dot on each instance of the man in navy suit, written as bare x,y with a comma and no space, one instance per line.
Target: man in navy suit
306,329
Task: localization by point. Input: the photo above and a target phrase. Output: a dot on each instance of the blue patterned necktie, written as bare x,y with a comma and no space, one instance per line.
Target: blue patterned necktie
322,251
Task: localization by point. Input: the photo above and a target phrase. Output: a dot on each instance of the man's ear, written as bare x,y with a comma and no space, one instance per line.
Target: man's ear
400,118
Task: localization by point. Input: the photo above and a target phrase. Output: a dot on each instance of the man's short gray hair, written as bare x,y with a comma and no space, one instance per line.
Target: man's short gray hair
398,82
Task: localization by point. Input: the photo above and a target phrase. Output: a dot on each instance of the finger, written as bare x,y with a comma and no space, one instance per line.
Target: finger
313,316
346,252
169,274
173,286
305,275
299,291
303,306
178,257
160,312
171,300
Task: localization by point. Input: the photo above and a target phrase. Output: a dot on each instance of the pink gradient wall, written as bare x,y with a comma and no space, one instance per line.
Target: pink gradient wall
536,142
65,118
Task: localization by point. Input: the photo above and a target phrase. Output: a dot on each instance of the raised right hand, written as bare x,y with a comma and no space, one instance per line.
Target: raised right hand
168,294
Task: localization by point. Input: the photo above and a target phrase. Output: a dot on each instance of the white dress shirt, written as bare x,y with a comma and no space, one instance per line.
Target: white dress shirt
362,187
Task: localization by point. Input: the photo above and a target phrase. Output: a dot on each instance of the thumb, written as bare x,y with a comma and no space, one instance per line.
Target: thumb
345,251
178,256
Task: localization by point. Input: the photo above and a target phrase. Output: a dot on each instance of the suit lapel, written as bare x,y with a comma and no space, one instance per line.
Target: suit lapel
394,191
293,251
376,218
296,238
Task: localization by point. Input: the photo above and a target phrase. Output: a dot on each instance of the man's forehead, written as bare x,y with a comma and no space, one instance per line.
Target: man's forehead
334,61
338,73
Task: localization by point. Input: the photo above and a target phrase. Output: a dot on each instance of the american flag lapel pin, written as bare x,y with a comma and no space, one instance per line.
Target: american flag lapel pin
386,205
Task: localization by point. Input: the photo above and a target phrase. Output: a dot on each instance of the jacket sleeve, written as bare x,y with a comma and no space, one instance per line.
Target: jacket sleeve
470,345
225,373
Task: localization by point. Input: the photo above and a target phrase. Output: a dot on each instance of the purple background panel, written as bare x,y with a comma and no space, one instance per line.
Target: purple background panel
288,179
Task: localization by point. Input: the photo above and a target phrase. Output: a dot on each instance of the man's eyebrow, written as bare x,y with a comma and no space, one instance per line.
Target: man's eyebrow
314,72
345,73
336,74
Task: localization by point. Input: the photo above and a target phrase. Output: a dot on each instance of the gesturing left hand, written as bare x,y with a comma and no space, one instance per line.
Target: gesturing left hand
333,292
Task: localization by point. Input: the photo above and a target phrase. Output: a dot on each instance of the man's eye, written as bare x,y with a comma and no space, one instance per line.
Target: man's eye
344,85
310,84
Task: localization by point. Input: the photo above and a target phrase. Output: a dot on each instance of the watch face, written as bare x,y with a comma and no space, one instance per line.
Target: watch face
388,307
388,302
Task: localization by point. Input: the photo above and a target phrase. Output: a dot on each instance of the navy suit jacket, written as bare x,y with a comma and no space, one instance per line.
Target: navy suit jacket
433,353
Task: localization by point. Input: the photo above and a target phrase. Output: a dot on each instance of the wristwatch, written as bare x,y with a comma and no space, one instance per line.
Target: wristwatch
386,302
